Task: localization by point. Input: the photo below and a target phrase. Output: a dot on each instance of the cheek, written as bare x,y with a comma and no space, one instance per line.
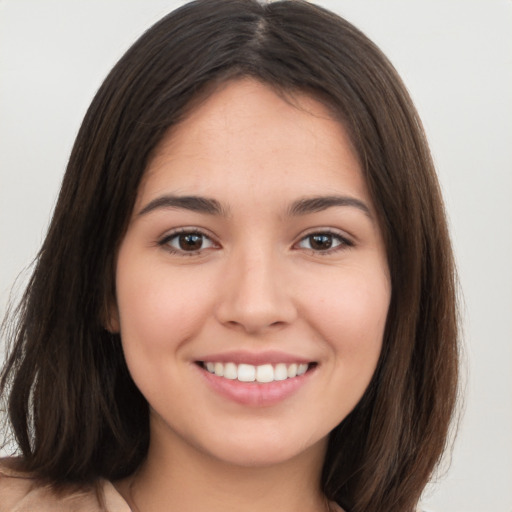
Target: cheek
350,312
350,320
159,311
158,308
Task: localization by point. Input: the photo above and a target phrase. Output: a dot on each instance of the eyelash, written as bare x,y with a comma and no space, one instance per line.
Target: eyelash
165,242
342,241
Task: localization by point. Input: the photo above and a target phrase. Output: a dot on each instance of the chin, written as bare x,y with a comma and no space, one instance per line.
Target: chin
270,449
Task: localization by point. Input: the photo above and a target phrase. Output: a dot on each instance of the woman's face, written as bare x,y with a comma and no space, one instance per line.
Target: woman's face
252,283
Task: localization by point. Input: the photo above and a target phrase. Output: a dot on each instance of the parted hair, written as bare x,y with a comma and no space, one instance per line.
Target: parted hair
74,411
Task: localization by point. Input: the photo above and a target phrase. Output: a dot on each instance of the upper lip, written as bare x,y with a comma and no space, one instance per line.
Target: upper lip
255,358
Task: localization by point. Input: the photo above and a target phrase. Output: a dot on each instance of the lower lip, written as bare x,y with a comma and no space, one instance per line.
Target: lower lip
254,393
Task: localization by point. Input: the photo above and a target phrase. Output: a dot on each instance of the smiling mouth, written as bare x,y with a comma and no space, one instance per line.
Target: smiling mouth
264,373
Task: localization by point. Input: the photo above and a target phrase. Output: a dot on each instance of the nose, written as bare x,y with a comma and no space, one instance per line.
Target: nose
255,296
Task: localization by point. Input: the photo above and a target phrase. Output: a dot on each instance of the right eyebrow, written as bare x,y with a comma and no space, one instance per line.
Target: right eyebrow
194,203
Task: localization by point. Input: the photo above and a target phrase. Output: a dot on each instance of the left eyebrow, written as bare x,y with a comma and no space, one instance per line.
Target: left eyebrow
192,203
320,203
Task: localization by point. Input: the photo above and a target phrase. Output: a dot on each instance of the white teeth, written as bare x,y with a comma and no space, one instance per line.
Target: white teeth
265,373
230,371
301,369
250,373
246,372
280,372
219,369
292,371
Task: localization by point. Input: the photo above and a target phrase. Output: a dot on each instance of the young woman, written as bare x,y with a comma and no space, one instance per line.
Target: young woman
245,300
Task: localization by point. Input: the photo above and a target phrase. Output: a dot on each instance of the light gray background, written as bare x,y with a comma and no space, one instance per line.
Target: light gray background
456,58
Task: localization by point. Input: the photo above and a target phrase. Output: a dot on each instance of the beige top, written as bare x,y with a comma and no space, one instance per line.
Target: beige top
20,493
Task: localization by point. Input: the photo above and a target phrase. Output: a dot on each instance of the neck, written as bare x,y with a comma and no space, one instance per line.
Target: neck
177,476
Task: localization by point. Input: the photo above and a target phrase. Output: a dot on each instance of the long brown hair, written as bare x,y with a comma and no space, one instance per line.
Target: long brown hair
73,407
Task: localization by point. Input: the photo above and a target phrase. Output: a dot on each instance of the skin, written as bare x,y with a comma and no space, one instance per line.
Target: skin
256,284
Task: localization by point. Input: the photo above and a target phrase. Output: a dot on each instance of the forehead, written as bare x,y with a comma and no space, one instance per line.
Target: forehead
245,132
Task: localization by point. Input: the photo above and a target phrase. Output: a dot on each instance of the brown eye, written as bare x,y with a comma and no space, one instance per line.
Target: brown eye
320,242
190,241
187,242
324,242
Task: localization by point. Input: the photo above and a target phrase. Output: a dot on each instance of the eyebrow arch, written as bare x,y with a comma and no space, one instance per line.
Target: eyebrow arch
193,203
319,203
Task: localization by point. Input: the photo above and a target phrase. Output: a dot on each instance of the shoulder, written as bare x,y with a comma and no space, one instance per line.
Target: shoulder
21,492
334,507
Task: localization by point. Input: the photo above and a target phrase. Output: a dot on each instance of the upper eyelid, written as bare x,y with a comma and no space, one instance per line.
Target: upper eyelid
164,242
331,231
343,235
187,229
346,242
